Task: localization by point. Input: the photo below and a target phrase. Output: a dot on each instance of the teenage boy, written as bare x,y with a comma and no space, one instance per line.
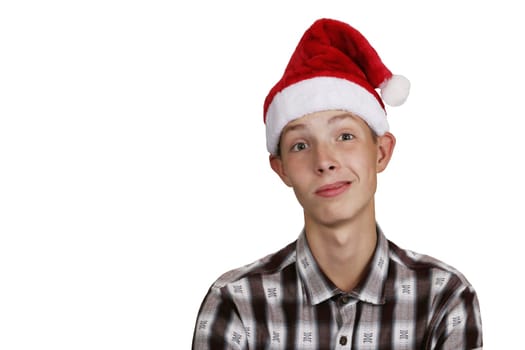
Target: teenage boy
342,284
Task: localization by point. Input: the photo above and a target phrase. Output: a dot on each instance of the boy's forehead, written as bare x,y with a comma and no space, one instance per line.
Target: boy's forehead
330,116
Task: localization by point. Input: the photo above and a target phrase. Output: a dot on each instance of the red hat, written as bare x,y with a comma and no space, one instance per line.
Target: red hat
333,67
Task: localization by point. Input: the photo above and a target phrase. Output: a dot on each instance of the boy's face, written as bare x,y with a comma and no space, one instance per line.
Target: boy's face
331,161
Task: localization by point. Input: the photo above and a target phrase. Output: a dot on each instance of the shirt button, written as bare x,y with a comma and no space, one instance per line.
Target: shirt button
343,340
345,299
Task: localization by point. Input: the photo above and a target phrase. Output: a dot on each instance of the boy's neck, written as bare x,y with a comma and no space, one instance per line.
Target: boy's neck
343,251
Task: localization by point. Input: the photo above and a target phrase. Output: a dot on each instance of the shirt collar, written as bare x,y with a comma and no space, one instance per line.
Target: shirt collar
319,288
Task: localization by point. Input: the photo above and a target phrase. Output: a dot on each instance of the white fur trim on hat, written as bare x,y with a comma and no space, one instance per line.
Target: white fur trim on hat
321,94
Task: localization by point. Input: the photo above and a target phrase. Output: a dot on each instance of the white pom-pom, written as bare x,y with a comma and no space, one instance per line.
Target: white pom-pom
395,90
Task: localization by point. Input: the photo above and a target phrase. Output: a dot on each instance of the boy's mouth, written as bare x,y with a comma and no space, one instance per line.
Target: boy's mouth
333,189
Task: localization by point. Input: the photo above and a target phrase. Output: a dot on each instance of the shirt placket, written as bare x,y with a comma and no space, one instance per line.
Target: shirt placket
347,311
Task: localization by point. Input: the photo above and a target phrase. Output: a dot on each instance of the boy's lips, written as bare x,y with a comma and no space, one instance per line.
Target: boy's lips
333,189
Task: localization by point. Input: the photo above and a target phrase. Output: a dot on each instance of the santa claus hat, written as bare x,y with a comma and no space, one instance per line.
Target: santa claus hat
333,67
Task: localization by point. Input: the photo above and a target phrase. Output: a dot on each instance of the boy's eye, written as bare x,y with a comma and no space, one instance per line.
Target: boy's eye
346,137
299,146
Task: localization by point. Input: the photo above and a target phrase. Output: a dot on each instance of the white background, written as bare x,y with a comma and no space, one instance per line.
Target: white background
133,168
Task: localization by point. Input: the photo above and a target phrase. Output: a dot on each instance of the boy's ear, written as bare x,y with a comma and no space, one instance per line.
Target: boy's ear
277,165
385,149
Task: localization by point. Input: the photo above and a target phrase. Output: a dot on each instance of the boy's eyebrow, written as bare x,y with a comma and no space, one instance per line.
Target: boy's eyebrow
332,120
292,127
341,116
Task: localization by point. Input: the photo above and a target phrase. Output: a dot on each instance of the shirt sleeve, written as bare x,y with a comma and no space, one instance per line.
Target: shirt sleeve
218,324
460,326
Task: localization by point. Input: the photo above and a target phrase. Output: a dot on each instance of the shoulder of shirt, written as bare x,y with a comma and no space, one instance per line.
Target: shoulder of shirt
269,264
415,261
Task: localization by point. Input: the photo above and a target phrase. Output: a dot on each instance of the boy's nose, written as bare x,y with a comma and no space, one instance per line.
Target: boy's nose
325,159
328,167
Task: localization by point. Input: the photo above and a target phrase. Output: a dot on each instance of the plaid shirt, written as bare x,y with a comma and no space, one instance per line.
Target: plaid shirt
284,301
